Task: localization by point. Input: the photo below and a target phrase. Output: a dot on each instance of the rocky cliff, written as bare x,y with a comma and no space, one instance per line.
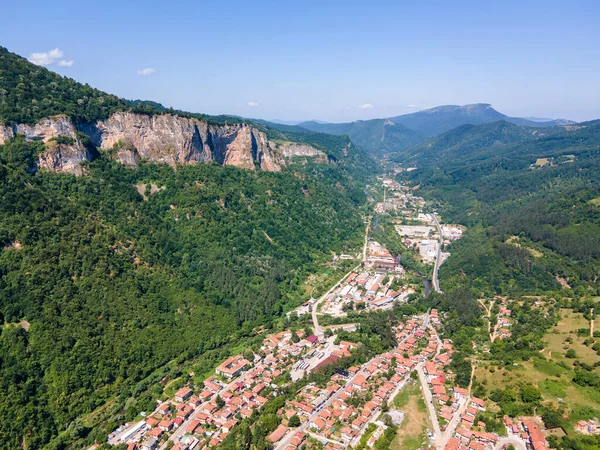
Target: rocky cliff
169,139
64,150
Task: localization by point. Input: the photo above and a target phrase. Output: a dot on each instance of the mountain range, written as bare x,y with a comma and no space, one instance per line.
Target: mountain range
395,134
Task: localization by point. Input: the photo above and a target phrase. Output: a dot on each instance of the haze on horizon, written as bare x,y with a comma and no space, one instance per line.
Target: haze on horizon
334,61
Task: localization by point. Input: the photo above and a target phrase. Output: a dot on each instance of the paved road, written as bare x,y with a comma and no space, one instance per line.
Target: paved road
366,244
429,402
439,438
181,430
318,330
435,281
305,425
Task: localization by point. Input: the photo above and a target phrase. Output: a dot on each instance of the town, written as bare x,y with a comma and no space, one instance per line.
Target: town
355,405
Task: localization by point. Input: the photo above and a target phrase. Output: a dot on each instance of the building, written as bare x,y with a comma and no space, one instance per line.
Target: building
232,367
183,394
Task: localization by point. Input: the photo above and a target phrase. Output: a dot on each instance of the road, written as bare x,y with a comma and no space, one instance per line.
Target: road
435,281
429,402
439,444
305,425
318,330
366,244
181,429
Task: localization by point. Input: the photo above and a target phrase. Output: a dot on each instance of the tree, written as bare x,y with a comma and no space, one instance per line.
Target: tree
249,355
530,394
552,419
571,354
294,421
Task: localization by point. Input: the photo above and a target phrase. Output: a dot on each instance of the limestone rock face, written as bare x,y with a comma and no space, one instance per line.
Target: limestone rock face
64,150
301,150
64,158
179,140
161,138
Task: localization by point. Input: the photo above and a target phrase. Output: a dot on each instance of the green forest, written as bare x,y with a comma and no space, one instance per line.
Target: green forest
113,286
520,238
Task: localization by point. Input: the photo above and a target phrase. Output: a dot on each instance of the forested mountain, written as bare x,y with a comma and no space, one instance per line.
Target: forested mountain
466,141
377,136
435,121
110,279
397,134
531,208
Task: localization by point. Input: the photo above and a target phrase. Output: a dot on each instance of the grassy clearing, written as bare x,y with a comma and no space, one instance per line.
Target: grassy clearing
411,434
595,201
557,340
552,372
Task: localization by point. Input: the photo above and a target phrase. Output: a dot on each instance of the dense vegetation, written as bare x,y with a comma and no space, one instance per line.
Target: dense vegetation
467,140
438,120
377,136
113,286
519,237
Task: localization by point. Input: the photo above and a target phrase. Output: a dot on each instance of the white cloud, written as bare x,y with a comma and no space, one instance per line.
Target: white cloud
365,106
252,104
146,71
46,58
411,106
64,63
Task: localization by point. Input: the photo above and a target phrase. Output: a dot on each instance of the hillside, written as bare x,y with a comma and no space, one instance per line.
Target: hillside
465,141
397,134
156,253
435,121
76,121
377,136
530,207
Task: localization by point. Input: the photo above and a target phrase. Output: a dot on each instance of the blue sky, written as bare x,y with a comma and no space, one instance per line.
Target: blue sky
329,60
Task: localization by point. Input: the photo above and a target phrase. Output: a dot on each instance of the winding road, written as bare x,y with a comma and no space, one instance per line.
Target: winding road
318,330
435,280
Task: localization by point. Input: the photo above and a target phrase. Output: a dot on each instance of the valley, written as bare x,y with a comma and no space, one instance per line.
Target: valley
175,280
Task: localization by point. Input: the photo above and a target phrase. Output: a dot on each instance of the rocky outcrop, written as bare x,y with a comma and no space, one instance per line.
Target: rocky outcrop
64,150
130,138
64,158
293,150
179,140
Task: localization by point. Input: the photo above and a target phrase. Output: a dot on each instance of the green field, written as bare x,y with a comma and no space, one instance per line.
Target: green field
411,433
551,371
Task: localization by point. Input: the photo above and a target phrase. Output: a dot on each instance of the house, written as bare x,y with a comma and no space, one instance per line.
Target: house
298,439
453,444
476,446
536,437
183,394
226,428
152,422
164,409
439,390
150,443
232,366
314,340
194,424
478,403
359,382
459,392
318,423
156,432
166,425
278,434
